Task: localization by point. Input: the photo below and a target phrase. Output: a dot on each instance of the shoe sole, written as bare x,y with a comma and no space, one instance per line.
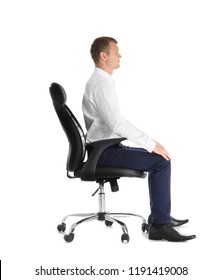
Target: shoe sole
159,237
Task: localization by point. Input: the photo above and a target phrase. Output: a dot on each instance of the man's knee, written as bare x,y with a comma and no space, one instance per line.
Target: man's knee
164,164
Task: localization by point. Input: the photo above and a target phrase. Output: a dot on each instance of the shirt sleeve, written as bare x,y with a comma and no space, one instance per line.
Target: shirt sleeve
107,105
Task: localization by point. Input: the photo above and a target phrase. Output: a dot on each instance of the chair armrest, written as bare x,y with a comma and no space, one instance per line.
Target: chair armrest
96,149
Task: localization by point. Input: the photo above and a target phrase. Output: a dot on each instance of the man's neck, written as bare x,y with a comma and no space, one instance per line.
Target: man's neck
104,68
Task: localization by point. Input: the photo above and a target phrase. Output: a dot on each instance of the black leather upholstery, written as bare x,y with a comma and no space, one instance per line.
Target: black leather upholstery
58,94
86,170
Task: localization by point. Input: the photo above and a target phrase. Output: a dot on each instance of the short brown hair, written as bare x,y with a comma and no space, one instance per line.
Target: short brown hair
99,45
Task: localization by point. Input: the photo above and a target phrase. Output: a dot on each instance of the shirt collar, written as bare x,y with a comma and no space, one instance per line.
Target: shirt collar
104,74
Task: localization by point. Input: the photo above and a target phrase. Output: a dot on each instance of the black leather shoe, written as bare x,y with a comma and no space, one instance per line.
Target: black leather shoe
167,232
174,222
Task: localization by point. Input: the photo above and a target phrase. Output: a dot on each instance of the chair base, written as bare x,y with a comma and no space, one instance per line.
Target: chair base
101,215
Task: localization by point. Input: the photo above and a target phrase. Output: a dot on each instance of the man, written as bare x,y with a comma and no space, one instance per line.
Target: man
103,120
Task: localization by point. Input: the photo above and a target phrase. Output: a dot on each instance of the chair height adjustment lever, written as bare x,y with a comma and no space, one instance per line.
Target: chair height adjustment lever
95,192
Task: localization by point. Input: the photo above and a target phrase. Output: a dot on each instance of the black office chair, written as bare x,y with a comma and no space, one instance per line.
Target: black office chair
87,170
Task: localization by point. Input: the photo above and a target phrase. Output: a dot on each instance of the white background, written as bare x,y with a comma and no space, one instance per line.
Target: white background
168,85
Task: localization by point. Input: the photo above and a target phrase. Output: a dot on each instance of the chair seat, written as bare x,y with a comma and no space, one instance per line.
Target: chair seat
113,172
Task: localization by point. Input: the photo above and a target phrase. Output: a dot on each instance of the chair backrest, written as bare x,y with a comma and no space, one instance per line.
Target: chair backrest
71,126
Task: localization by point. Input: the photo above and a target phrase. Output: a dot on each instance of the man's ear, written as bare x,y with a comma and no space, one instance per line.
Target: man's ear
103,56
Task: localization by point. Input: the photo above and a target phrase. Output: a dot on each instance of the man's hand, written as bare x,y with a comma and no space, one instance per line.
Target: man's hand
159,149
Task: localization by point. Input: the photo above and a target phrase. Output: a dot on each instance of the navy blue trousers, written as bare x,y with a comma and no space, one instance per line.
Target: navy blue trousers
159,173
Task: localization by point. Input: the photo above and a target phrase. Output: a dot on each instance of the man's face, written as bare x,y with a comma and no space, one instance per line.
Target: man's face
113,57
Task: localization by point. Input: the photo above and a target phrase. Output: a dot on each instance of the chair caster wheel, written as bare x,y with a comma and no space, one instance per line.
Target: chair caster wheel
108,223
61,227
125,238
69,237
145,227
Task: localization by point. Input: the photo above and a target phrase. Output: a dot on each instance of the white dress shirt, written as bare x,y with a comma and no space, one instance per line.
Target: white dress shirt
102,115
